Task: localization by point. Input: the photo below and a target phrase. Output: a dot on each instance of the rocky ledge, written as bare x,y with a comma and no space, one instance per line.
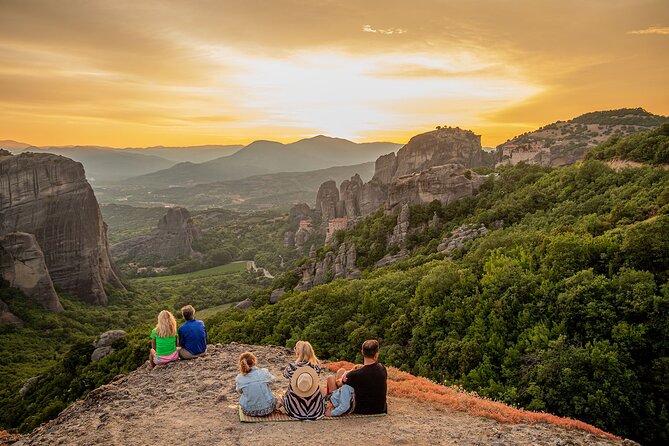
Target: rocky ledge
196,403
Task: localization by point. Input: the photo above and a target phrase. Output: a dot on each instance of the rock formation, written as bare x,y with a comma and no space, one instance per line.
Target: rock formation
327,199
443,146
245,304
460,236
445,183
431,166
7,317
172,239
276,295
334,265
401,229
22,265
104,344
48,196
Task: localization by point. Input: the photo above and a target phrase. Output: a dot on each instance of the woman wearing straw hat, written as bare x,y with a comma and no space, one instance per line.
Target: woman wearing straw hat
304,400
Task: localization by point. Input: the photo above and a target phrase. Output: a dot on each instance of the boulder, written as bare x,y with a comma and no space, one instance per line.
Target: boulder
28,386
390,259
100,353
276,295
108,338
22,265
289,239
48,196
245,304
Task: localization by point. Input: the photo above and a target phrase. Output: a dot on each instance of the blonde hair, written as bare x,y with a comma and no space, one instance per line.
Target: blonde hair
304,352
246,361
167,325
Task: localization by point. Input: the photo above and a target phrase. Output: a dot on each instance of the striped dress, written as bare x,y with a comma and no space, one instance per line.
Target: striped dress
309,408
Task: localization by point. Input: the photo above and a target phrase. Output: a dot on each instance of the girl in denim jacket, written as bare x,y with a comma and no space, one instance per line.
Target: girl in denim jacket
257,399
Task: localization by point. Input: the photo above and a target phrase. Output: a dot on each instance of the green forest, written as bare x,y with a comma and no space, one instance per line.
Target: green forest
563,306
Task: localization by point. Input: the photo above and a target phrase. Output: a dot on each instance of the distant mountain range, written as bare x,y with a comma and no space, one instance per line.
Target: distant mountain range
268,191
564,142
263,157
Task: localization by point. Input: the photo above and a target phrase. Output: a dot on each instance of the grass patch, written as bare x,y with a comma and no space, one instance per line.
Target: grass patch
230,268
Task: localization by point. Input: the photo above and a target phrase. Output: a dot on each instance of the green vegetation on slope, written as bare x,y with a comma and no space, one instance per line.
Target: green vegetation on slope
565,309
646,147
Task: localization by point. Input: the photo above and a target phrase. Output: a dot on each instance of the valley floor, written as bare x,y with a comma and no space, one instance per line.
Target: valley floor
195,403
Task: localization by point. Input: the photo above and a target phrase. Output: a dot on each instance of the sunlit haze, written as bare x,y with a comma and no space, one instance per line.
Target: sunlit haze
128,73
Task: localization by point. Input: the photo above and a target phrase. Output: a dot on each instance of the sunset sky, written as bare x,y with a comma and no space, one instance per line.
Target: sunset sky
149,72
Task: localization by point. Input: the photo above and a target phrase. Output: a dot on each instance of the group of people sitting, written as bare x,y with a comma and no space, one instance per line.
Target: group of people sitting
361,390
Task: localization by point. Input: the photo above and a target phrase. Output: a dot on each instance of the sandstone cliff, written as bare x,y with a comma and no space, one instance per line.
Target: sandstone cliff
337,264
22,265
431,166
48,196
196,402
172,239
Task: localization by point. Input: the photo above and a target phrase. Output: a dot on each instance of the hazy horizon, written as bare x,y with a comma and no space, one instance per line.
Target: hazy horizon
128,74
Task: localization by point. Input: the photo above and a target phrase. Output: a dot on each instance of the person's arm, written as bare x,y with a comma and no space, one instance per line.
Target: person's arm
288,371
205,333
351,378
238,387
180,340
345,396
176,339
153,343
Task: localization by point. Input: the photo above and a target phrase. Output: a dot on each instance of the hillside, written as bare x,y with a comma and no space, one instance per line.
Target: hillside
198,397
565,142
106,165
262,157
650,147
277,190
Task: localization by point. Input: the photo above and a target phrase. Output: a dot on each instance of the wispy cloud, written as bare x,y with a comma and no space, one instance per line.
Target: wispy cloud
369,29
662,30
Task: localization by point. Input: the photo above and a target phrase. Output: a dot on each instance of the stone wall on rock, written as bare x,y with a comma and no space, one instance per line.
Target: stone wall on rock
172,239
48,196
22,265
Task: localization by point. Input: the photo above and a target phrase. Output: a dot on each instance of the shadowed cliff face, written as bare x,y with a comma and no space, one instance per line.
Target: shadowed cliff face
22,265
48,196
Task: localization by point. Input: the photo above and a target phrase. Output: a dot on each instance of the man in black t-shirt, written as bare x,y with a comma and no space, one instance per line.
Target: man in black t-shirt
369,381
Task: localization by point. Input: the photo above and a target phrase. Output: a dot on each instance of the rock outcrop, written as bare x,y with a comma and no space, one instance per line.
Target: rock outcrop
172,239
445,183
443,146
7,317
431,166
327,199
401,229
139,407
104,345
276,295
48,196
460,236
336,264
22,265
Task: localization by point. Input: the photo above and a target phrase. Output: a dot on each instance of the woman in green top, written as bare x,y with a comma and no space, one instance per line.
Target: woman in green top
164,340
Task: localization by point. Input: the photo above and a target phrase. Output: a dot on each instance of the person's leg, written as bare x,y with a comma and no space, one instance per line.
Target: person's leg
331,386
185,354
152,357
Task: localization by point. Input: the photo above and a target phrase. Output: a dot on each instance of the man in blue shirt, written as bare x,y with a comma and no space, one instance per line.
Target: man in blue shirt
192,335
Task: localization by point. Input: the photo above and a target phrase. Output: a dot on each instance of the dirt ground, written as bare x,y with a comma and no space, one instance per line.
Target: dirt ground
195,403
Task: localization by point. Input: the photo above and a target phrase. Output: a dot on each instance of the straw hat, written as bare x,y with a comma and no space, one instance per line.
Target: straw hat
304,381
